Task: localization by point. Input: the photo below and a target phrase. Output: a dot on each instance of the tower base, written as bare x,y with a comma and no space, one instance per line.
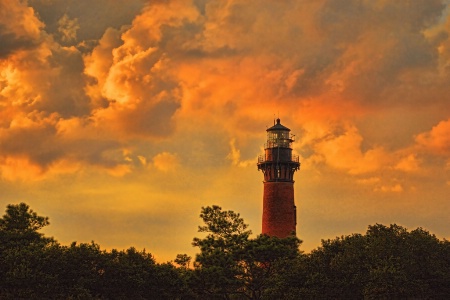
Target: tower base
279,211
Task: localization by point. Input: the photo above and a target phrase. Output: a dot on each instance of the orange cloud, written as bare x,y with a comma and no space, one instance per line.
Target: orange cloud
342,150
19,168
408,164
227,67
235,156
133,73
396,188
437,140
166,162
68,28
20,29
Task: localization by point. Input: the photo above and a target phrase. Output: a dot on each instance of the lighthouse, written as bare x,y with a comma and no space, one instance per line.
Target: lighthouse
278,165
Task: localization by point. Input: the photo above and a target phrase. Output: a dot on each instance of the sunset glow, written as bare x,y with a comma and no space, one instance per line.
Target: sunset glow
120,119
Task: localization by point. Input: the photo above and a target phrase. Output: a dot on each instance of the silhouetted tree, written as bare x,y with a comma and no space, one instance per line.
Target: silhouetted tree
388,262
385,263
36,267
230,264
19,227
21,252
183,260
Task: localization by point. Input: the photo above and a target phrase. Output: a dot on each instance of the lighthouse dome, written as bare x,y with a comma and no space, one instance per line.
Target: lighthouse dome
278,126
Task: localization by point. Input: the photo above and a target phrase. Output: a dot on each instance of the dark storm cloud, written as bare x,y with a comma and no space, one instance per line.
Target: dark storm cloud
359,48
151,119
64,93
390,40
93,17
19,28
11,42
38,143
43,146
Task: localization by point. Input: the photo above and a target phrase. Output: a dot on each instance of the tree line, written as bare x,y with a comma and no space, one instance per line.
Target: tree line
387,262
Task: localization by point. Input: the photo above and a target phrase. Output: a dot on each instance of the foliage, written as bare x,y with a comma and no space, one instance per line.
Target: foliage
387,262
22,251
19,226
183,260
230,264
35,267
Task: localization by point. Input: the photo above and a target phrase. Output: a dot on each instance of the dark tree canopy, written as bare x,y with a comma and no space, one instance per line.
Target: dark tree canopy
36,267
19,227
20,218
230,264
387,262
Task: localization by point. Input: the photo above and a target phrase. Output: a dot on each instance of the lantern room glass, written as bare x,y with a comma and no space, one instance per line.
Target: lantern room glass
278,138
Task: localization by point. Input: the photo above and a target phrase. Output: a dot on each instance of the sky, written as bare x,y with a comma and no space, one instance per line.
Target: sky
120,119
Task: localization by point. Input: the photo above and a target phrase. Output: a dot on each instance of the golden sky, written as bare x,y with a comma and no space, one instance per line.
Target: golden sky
120,119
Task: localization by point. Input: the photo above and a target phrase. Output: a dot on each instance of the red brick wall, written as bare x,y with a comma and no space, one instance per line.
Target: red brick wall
278,209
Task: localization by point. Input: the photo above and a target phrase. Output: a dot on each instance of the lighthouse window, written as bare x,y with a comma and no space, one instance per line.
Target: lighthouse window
278,139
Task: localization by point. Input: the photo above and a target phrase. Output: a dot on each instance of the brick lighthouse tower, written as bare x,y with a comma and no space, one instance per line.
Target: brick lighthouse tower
278,166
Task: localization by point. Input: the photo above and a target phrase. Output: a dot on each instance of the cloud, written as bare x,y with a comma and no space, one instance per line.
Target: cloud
93,17
437,140
68,28
166,162
369,181
45,77
378,43
19,168
42,89
20,29
408,164
341,149
137,79
145,71
53,145
35,139
214,55
235,156
351,50
396,188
